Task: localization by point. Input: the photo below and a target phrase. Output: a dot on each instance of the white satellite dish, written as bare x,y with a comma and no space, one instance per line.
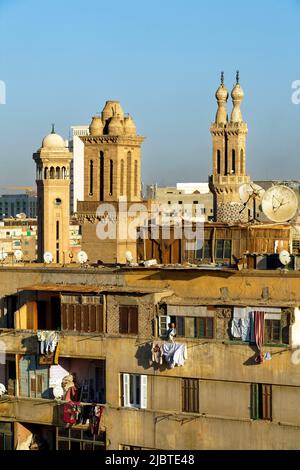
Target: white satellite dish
284,257
48,257
128,256
82,257
248,191
280,203
18,255
3,255
22,216
58,392
2,390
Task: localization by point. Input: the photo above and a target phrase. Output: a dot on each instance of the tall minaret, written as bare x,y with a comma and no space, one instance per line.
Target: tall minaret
229,156
53,191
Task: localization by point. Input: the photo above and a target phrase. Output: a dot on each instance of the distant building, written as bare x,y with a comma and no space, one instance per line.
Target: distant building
13,204
77,165
188,195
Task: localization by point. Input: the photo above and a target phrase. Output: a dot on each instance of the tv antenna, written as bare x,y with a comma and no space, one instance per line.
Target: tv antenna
251,192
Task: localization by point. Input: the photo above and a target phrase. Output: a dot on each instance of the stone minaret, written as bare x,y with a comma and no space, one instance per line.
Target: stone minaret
229,156
53,191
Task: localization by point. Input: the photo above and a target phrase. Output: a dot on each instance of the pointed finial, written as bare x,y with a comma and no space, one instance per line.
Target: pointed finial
53,131
237,77
222,78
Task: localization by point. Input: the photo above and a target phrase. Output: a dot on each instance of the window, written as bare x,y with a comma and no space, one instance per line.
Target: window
242,161
233,162
206,251
101,195
223,249
6,436
91,177
128,319
261,401
194,327
134,390
135,178
79,439
111,177
57,230
272,331
122,178
163,322
190,395
218,162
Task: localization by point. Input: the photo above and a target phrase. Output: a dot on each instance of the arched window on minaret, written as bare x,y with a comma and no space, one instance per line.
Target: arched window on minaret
52,173
46,173
101,176
218,162
57,173
111,177
129,175
242,162
233,162
91,178
63,173
135,178
122,178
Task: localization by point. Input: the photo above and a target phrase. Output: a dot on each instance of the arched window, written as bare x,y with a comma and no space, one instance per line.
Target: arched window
52,173
57,173
218,162
57,230
129,175
46,173
111,177
101,176
242,162
233,162
122,178
63,173
91,178
135,178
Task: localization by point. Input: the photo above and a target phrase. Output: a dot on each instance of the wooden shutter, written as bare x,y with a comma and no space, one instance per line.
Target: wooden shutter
78,317
143,391
266,398
71,317
163,322
24,376
133,326
126,390
99,318
254,401
190,395
64,316
85,309
93,316
123,319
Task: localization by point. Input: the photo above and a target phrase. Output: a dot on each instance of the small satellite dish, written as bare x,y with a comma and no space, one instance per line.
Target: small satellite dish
3,255
284,257
18,255
128,256
21,216
82,257
280,203
2,390
58,392
48,257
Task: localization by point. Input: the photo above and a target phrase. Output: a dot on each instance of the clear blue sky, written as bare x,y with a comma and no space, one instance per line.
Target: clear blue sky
62,59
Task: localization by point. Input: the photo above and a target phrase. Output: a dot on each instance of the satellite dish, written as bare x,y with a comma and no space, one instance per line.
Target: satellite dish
48,257
280,203
58,392
22,216
3,255
82,257
128,256
248,191
284,257
2,390
18,255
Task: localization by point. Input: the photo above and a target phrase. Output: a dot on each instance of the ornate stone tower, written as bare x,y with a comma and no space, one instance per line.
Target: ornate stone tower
53,191
229,156
112,170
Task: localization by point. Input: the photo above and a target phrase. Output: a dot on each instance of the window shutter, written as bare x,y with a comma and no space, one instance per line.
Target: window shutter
254,401
64,313
133,326
143,391
99,318
267,402
85,317
78,316
123,320
126,390
163,322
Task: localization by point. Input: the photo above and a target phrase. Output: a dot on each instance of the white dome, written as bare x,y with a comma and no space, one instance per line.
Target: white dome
53,141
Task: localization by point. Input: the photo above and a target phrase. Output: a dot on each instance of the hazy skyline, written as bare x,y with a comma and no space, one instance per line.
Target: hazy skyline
162,61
